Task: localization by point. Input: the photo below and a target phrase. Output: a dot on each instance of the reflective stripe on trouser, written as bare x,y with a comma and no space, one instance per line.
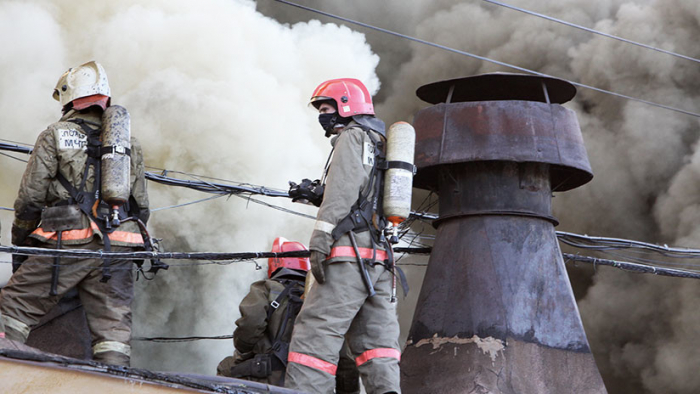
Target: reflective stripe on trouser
377,353
111,346
340,309
26,297
17,326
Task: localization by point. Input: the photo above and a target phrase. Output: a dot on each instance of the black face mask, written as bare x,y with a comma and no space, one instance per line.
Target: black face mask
329,121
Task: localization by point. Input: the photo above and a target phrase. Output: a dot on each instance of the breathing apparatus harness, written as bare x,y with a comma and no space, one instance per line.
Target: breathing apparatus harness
262,365
97,210
367,214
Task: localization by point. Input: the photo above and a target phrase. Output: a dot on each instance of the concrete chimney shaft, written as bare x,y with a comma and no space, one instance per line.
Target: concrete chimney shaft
496,313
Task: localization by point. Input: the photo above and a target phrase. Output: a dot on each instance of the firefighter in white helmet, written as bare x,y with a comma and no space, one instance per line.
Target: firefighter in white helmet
352,297
60,204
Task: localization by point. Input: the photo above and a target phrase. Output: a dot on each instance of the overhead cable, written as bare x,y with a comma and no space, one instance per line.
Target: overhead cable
500,63
563,22
633,267
144,255
605,243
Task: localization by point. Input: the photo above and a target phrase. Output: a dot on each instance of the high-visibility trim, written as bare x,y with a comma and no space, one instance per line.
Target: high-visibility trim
87,233
324,226
378,353
349,251
69,235
111,346
16,325
312,362
121,236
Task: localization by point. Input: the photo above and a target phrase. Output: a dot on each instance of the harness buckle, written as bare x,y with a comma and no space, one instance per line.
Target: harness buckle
274,304
120,149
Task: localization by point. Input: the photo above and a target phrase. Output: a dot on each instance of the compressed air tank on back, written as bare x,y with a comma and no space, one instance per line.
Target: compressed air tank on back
398,179
116,159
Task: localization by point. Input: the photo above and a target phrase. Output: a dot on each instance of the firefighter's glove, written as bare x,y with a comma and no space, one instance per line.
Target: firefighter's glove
317,265
17,260
20,235
307,192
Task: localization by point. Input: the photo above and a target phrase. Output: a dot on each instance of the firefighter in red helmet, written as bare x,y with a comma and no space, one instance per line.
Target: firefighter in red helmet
267,317
351,298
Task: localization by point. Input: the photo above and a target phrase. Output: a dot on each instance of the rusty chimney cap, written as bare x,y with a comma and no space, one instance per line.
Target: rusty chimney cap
498,87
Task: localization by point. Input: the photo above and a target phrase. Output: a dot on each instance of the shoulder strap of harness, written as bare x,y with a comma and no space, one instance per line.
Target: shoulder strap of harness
362,212
89,201
280,344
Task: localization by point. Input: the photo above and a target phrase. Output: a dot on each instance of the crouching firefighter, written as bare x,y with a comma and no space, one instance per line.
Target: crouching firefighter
268,312
350,256
83,188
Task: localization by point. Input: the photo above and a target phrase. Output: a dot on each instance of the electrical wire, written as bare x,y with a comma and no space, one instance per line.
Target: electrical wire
486,59
552,19
632,267
187,203
15,158
179,339
605,243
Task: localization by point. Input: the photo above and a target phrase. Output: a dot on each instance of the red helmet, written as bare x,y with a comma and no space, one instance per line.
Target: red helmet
296,263
350,95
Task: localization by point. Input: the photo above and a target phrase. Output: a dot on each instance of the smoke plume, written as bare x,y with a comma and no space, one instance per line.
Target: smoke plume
647,165
214,88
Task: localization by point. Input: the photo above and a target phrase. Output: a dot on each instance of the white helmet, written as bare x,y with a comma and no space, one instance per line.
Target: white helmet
87,80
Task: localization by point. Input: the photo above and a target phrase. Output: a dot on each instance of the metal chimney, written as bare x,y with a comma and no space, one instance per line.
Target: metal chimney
496,313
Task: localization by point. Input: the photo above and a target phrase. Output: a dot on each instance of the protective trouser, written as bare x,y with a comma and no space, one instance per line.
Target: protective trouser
26,299
340,309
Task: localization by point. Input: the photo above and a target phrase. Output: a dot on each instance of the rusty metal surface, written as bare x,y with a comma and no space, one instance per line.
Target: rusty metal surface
498,86
517,131
529,183
479,367
496,313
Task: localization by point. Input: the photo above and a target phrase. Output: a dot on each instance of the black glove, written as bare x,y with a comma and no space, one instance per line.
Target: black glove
317,267
20,235
17,260
308,192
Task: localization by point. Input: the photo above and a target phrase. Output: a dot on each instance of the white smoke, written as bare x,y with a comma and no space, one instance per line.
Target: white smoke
214,88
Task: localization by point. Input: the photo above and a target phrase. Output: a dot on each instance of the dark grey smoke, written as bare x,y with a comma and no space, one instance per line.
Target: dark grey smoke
642,329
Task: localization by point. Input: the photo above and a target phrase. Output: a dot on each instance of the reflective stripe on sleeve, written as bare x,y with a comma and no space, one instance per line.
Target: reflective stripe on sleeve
16,325
111,346
349,251
324,226
312,362
377,353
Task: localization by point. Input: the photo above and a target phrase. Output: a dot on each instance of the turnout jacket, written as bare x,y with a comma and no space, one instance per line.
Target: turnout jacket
348,176
254,334
63,147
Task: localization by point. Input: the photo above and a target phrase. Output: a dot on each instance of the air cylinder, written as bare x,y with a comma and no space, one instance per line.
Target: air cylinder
398,179
116,159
